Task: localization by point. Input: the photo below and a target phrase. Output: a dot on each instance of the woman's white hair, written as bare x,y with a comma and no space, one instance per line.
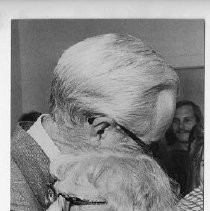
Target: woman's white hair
111,75
126,183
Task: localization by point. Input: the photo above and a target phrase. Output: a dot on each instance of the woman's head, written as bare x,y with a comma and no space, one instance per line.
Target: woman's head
123,182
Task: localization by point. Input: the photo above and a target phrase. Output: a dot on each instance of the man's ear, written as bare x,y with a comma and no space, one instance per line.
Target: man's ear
165,106
164,111
99,127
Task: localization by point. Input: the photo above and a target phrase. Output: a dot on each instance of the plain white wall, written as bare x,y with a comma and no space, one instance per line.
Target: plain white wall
192,85
38,44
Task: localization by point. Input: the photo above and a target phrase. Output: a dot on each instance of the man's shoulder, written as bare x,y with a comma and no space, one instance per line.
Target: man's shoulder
21,128
24,149
16,174
21,140
29,169
21,196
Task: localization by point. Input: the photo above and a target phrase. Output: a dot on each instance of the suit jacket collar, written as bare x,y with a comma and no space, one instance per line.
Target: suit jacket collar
32,161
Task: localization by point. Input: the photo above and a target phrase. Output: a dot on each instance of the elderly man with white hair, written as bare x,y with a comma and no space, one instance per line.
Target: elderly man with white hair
109,92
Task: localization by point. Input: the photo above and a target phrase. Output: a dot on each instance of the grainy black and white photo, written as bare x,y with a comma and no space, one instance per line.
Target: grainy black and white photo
107,114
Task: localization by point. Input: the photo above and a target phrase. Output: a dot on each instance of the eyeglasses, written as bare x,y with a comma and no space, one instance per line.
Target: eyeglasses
145,148
74,201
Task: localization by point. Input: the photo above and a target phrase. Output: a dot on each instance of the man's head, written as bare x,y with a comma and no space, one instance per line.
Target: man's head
187,115
107,181
111,80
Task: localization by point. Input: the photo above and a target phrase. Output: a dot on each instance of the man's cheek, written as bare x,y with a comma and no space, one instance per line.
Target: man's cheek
190,127
183,136
174,127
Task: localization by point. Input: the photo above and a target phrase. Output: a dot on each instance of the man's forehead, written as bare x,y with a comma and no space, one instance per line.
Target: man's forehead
184,111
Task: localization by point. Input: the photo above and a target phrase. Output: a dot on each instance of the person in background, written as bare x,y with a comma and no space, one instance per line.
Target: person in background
194,200
181,142
108,92
31,116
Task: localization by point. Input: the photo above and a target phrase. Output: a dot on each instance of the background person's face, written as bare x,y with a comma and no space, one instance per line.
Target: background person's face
183,122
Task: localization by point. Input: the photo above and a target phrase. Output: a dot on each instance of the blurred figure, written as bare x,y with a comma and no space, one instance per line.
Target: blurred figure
105,181
194,200
31,116
196,157
187,115
181,140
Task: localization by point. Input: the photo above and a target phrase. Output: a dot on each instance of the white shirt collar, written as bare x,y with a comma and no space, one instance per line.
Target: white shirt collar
38,133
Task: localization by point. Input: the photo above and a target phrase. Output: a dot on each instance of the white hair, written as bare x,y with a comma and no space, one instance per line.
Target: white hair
111,75
126,183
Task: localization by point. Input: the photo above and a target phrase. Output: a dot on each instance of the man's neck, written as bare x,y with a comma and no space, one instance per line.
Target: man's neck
51,129
60,136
